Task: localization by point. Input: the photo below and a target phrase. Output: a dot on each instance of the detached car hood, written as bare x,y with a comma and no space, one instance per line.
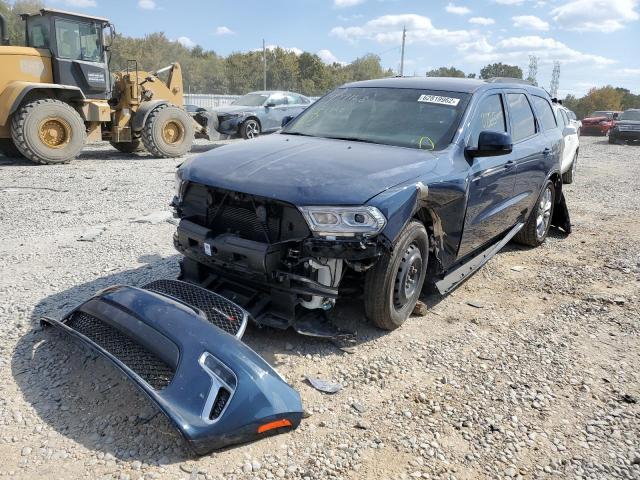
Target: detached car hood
308,170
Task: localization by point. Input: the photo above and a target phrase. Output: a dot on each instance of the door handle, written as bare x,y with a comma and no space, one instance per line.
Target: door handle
546,151
509,164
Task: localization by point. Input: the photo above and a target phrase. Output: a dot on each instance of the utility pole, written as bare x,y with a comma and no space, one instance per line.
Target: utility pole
264,65
533,70
404,37
555,80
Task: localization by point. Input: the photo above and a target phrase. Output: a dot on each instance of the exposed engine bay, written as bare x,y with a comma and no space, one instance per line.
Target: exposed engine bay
262,253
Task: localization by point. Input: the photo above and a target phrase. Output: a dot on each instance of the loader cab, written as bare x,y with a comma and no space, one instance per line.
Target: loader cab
77,45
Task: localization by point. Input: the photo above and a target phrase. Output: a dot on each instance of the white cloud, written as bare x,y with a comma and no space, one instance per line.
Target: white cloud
482,20
387,30
328,57
457,9
80,3
517,50
597,15
222,30
629,72
147,4
530,21
347,3
186,42
509,2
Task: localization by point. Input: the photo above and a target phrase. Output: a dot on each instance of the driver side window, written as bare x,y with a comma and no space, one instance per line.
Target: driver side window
489,116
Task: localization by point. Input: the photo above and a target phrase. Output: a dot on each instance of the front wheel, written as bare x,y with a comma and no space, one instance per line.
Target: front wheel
537,227
168,132
392,286
250,129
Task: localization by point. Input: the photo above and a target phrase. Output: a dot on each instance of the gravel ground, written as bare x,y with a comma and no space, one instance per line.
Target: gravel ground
538,378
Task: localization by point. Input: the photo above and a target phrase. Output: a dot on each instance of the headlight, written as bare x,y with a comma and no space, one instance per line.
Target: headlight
344,221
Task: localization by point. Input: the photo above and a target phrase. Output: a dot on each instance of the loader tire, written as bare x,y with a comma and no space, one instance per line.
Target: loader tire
168,132
48,131
133,146
8,148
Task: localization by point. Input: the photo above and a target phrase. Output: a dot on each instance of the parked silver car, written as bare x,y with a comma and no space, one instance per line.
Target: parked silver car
259,112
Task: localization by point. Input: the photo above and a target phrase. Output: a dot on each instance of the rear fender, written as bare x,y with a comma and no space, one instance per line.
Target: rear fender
213,388
15,93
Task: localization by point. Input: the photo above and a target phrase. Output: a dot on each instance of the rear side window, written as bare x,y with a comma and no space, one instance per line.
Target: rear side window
545,113
565,118
523,122
489,116
38,32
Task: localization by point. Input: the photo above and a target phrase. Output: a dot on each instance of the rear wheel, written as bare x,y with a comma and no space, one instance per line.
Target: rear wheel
48,131
8,148
569,175
250,129
168,132
392,286
129,147
537,227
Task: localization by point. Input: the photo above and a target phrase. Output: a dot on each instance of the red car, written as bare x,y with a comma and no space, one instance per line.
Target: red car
599,123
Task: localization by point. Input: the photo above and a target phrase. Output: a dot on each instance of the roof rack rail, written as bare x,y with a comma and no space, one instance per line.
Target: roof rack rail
509,80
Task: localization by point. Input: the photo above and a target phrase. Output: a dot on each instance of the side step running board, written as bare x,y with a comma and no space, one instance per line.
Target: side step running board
455,278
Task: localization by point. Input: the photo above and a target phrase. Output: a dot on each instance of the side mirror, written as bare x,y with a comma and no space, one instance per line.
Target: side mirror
269,104
491,144
286,120
569,130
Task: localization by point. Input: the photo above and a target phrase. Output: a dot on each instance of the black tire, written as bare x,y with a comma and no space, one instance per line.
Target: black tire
569,175
134,146
8,148
176,123
530,234
250,128
66,136
612,141
386,303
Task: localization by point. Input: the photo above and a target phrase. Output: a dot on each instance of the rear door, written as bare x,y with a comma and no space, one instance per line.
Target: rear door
534,150
491,179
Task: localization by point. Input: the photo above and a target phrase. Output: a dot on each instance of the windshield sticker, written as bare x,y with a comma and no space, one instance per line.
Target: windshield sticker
453,102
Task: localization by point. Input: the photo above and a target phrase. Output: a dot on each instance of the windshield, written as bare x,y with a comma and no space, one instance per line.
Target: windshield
402,117
602,114
630,115
251,100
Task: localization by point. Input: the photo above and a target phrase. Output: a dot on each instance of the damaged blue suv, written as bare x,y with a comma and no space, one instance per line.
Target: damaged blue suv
376,190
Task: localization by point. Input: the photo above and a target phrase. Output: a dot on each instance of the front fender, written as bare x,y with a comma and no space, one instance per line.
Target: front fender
140,117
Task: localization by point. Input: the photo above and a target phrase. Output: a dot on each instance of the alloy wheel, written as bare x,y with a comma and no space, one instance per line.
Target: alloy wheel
544,213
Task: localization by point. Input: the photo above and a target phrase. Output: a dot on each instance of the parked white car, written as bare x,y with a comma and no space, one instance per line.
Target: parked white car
571,143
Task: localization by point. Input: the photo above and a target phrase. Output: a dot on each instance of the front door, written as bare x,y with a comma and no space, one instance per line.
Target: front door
276,109
491,181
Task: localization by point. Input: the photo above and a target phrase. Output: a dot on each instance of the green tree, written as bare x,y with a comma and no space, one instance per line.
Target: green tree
500,70
446,72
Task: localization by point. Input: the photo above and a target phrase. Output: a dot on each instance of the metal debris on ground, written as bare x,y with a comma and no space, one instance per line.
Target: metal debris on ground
325,386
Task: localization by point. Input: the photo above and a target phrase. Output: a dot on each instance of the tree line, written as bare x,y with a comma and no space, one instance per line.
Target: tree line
205,71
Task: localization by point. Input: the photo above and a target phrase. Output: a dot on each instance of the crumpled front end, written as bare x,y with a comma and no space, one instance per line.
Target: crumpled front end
179,344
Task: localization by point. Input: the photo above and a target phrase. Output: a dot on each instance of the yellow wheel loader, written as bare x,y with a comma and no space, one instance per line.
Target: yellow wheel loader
57,93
